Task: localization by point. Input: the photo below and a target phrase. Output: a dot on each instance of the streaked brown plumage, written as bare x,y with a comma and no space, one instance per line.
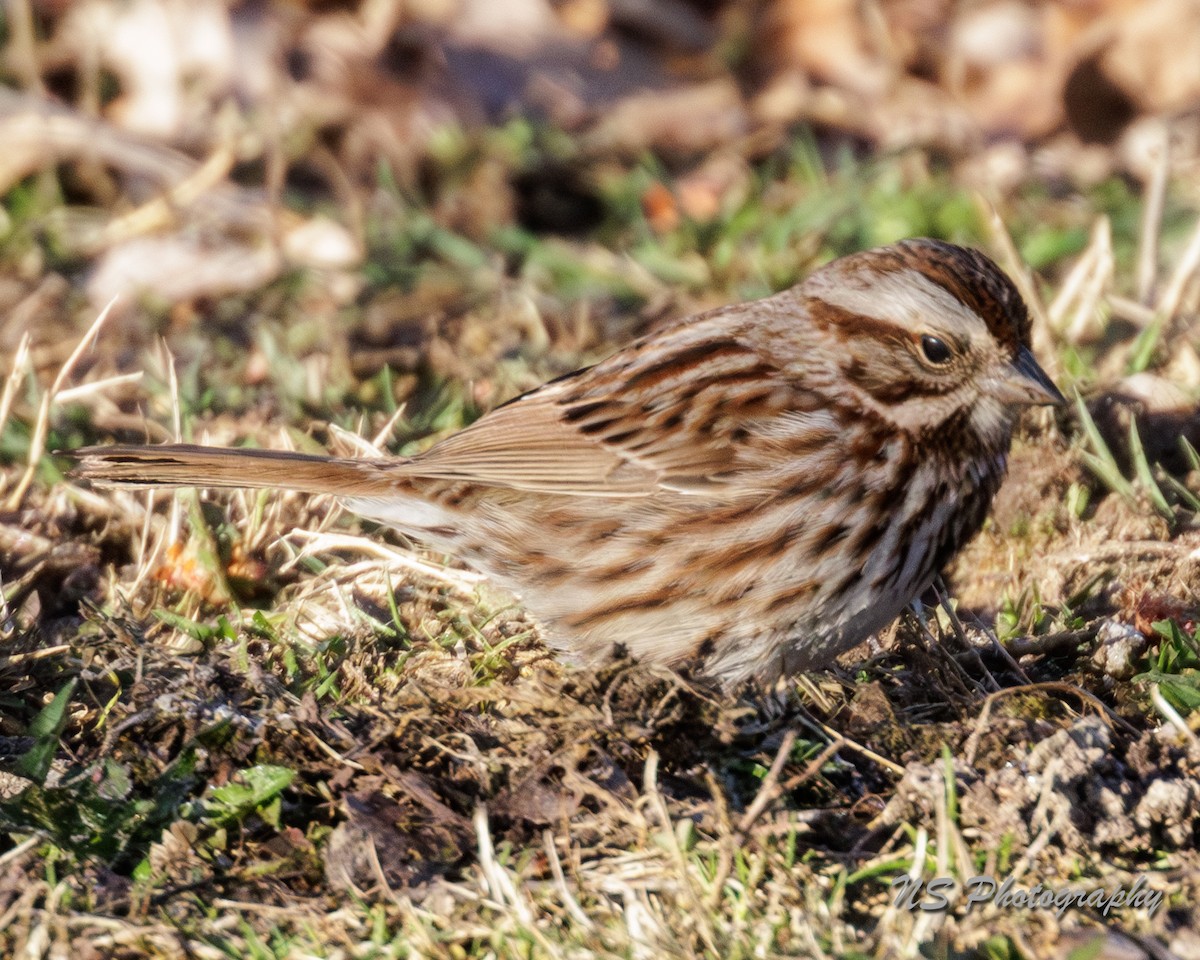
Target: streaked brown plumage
750,490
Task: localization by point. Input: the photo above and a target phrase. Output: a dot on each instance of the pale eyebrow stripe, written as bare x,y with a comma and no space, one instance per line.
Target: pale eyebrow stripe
904,297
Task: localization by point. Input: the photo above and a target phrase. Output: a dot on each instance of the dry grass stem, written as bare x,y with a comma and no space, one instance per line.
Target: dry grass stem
1150,234
1010,260
560,882
1171,715
86,391
465,583
1131,310
769,790
41,425
971,747
1185,271
1084,323
20,368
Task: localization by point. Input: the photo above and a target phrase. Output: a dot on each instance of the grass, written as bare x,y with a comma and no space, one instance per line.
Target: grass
245,726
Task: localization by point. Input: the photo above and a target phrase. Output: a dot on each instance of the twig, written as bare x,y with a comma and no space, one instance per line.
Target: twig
560,882
160,211
768,790
168,361
1136,313
1050,643
813,767
500,886
96,386
960,634
1072,284
943,595
972,746
22,45
385,432
727,841
20,849
858,748
39,654
463,583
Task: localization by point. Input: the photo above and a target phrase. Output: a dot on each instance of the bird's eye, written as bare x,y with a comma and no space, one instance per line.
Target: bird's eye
935,349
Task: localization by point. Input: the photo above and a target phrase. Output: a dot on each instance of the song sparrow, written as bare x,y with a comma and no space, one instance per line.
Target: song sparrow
752,489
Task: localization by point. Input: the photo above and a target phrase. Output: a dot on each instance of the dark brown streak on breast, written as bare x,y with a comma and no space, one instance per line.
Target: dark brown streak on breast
967,449
586,618
866,538
788,597
736,557
959,445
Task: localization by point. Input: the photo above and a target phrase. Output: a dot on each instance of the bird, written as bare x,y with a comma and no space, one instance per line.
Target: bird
743,493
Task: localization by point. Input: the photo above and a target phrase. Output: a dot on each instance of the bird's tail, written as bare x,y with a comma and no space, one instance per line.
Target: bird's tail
187,465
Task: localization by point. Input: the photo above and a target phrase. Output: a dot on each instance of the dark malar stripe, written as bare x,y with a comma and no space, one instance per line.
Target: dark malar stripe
898,391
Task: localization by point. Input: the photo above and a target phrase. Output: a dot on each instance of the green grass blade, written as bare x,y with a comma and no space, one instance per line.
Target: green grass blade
1145,475
1101,460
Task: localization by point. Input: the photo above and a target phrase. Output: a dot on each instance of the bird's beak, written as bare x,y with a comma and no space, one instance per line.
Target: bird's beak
1023,382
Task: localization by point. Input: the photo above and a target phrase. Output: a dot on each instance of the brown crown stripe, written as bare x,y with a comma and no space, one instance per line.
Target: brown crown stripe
975,280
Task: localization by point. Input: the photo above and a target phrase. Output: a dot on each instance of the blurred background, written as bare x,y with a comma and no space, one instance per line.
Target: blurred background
439,187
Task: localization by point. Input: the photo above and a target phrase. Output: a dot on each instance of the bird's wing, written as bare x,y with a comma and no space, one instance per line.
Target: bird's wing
647,419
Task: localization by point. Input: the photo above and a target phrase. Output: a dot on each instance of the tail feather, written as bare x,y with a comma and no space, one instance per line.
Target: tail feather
188,465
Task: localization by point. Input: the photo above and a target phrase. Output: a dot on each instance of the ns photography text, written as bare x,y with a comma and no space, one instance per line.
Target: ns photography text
943,893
